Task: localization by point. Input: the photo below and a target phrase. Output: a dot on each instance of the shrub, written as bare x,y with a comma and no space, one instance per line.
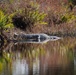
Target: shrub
68,17
5,20
59,18
28,17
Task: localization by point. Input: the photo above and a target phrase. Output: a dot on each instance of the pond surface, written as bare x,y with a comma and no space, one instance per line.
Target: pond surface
53,58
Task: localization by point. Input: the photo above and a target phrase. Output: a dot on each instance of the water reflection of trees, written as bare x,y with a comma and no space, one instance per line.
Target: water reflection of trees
42,59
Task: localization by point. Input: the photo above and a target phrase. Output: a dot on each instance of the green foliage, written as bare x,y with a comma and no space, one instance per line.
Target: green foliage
34,16
34,5
68,17
27,14
5,20
28,17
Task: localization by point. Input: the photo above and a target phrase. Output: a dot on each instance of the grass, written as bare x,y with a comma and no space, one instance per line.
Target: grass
57,15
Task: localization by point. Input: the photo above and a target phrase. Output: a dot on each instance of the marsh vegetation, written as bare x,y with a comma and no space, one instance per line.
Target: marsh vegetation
53,17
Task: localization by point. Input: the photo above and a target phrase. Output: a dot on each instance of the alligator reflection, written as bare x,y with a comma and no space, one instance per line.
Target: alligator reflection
53,58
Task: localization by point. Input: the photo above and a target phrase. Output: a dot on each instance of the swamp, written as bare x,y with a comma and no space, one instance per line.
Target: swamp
37,37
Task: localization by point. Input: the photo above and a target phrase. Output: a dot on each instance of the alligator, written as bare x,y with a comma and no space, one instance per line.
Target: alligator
34,38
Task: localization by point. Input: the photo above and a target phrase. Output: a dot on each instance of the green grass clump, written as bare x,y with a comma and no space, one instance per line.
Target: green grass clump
68,17
5,20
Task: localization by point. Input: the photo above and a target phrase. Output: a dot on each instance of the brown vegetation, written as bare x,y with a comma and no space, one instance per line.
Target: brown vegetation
60,17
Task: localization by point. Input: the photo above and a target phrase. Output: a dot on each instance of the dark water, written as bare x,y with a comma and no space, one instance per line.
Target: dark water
53,58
